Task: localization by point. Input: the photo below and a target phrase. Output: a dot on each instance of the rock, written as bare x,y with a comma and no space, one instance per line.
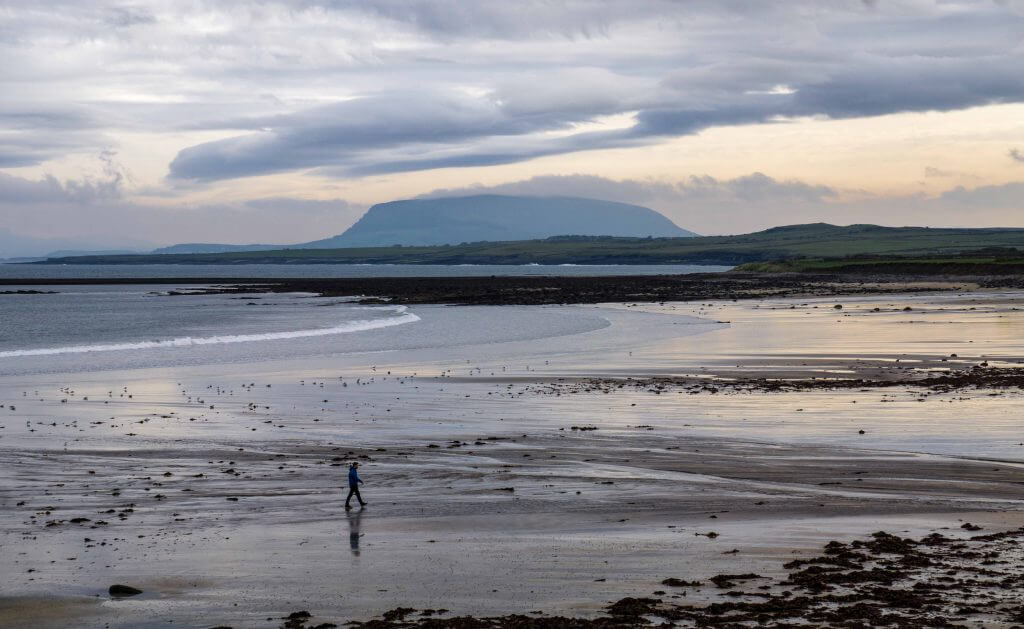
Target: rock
679,583
398,613
634,607
123,590
728,580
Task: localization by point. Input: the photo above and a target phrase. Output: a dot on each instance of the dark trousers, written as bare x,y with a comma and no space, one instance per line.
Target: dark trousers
353,490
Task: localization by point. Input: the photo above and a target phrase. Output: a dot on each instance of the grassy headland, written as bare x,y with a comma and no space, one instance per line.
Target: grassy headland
811,241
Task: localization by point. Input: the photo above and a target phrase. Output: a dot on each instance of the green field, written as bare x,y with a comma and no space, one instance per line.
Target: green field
817,240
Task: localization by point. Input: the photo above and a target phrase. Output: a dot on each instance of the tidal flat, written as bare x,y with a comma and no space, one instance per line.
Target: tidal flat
526,475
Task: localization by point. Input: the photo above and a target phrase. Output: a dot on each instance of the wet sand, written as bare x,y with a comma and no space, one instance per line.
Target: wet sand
221,497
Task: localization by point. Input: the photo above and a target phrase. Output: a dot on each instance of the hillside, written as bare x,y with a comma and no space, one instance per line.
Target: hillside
817,240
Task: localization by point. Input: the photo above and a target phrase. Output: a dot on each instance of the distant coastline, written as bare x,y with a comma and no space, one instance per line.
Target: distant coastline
550,289
778,244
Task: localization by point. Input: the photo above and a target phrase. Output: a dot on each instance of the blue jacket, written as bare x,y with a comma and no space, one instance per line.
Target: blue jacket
353,477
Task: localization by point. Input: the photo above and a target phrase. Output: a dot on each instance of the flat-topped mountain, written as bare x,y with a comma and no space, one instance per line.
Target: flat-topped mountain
479,218
492,217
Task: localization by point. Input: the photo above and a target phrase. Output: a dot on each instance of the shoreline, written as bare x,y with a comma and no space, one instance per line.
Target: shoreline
938,580
542,290
220,485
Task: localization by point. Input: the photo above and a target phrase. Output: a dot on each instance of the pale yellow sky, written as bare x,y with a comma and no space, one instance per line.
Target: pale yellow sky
893,155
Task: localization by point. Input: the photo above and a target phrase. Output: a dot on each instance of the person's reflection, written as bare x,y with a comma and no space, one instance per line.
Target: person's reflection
353,530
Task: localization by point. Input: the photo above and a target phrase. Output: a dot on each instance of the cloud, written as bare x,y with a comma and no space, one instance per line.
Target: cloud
500,20
940,173
340,133
126,16
755,186
49,189
381,133
1008,196
933,172
32,133
677,68
1016,155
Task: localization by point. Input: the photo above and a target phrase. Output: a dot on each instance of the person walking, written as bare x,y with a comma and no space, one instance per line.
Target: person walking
353,485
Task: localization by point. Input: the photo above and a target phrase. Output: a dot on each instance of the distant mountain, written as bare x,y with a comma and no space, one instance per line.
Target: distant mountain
491,217
16,245
67,253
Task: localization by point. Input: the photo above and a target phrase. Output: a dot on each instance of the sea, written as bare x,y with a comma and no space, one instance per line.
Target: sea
99,327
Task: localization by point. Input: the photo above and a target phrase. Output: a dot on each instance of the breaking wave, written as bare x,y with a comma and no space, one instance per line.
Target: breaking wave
187,341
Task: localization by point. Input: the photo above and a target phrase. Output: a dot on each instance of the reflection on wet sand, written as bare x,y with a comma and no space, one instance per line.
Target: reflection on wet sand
354,534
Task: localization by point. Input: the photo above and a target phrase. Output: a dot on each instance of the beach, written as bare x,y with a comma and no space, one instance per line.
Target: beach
512,463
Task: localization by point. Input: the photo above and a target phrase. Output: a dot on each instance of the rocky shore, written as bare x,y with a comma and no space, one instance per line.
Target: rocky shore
953,579
540,290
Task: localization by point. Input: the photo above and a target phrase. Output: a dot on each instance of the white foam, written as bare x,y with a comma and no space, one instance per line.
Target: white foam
187,341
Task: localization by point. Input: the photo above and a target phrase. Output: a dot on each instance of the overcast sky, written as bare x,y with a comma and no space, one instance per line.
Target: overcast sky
149,123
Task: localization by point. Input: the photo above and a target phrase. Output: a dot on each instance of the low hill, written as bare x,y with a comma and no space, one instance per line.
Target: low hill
66,253
210,247
817,240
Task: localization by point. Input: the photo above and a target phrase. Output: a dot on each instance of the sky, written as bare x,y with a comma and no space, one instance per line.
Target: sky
138,124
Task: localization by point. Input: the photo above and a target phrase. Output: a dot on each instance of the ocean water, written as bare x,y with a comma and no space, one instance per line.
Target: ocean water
256,271
100,328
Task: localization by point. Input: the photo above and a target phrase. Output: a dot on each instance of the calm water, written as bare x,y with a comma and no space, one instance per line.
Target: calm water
255,271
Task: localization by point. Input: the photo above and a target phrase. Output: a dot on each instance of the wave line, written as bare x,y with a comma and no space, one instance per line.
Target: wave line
187,341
